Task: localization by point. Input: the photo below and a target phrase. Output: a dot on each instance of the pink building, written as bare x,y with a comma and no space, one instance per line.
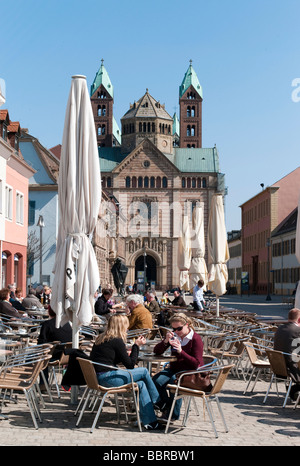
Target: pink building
260,216
14,181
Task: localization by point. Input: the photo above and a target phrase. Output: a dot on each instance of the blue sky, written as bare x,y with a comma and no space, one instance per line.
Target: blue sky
246,55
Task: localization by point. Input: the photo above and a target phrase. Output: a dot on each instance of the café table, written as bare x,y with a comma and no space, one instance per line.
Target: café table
149,358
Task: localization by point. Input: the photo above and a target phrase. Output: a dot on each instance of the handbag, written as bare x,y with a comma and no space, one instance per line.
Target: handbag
197,381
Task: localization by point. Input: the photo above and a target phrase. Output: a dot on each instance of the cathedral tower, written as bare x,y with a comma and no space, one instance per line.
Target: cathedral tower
190,102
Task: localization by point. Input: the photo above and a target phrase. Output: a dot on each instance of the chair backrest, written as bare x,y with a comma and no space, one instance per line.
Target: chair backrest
277,363
207,359
220,379
250,351
89,373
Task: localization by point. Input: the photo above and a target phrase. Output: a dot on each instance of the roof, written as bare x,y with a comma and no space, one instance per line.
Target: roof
13,127
190,79
147,107
56,150
185,160
102,78
196,160
288,224
4,115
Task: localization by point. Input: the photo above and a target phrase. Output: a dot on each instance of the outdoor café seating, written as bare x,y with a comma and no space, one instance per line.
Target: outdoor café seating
221,373
97,392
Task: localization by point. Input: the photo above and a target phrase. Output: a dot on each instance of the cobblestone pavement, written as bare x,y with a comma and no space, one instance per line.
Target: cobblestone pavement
250,423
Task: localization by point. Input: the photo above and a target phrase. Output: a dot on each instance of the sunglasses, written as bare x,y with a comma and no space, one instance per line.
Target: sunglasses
177,328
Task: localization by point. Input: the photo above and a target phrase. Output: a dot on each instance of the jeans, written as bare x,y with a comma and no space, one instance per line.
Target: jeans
148,394
161,380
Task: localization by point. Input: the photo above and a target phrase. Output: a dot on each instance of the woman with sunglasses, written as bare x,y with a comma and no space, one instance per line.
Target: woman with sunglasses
187,346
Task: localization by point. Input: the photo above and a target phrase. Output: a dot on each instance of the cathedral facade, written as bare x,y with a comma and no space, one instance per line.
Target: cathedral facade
155,170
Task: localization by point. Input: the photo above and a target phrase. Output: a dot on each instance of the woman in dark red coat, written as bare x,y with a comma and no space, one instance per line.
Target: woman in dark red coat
187,346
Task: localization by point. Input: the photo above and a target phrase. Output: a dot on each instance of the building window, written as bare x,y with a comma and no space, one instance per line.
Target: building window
127,181
140,181
146,182
134,182
152,182
31,212
20,208
188,112
188,130
8,202
99,131
99,111
183,182
158,182
109,182
165,182
203,182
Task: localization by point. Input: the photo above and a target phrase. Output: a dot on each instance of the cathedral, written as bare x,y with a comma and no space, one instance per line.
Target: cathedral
154,170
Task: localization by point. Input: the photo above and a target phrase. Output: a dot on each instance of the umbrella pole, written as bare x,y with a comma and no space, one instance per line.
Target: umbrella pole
75,344
218,306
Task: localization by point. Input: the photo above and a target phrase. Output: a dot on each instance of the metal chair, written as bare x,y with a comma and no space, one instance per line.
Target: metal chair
181,392
279,373
257,364
20,373
98,391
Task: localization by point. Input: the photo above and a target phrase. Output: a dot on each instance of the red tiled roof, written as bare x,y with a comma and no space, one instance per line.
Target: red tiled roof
13,126
56,150
3,115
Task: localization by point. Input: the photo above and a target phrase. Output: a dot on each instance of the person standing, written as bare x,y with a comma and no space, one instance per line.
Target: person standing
198,299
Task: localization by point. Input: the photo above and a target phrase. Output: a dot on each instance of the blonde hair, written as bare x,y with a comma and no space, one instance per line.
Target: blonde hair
116,328
182,318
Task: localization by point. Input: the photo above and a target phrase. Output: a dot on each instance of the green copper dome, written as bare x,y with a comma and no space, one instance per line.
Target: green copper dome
102,78
190,79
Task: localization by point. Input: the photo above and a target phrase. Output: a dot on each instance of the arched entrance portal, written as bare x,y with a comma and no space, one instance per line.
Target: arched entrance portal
151,272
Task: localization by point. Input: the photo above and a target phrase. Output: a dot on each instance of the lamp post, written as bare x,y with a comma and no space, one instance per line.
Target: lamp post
41,224
145,267
268,298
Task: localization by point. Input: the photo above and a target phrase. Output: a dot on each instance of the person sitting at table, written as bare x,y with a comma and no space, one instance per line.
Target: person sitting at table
138,315
152,305
165,298
178,301
286,340
103,306
31,300
6,307
187,346
198,299
110,349
49,333
16,301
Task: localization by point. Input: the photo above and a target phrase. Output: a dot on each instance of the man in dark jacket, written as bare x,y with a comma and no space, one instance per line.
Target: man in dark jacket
287,340
178,301
102,306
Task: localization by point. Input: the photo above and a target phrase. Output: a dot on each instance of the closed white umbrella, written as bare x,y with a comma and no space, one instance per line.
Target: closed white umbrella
198,269
79,192
184,254
218,251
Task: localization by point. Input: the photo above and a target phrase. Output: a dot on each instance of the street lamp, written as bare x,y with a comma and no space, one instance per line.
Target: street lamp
268,298
41,224
145,267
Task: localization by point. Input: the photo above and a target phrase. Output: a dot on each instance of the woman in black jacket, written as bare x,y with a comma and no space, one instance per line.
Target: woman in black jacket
110,349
